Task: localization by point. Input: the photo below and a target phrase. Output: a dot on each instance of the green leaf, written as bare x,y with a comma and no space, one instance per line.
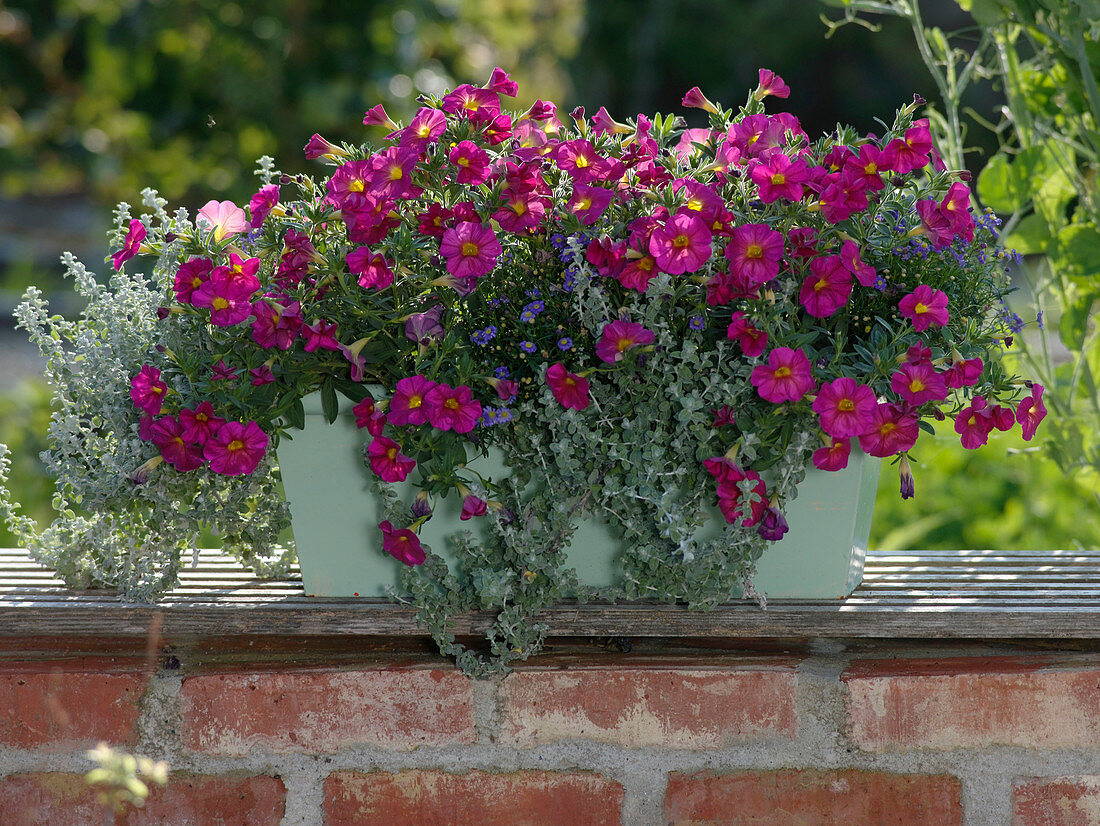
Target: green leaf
329,404
1074,322
296,415
1032,236
1076,253
1008,185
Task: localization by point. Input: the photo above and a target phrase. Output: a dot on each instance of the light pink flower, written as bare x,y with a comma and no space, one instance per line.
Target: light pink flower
222,218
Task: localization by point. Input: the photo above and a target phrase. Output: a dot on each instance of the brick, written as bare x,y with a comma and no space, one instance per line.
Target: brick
1056,801
69,704
972,702
675,707
61,799
434,798
794,798
325,710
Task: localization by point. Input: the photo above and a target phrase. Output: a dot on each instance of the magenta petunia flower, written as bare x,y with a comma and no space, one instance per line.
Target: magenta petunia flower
913,150
570,389
223,372
1031,411
619,336
147,390
682,245
472,163
500,82
695,99
200,424
317,147
368,416
236,449
228,295
425,128
974,423
135,234
262,375
376,116
261,204
925,307
845,407
892,431
402,544
478,105
849,257
182,454
387,461
589,202
637,272
222,218
391,173
918,383
785,378
473,506
319,336
407,405
372,268
753,341
770,84
451,408
834,457
955,206
471,250
732,501
777,176
754,253
275,325
425,327
191,275
579,159
866,168
827,287
964,373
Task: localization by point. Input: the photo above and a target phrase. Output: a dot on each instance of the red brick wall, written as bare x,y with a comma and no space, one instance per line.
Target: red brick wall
886,734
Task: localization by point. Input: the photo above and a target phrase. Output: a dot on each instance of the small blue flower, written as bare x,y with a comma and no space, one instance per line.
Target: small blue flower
502,372
531,311
696,322
483,337
1039,319
880,283
533,293
527,346
565,343
557,240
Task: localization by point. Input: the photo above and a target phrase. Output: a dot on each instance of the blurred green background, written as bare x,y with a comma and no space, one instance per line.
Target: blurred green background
101,98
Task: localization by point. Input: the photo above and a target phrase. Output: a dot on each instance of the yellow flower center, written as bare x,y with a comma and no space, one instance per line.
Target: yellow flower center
356,186
681,241
582,161
396,174
415,401
754,251
219,303
583,204
847,405
235,445
821,285
519,207
782,372
779,179
916,385
920,308
391,454
451,403
470,248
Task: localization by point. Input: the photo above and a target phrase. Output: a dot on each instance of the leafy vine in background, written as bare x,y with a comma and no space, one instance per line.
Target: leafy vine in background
1045,56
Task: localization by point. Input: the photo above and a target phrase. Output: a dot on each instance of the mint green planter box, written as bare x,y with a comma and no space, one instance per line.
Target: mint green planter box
335,523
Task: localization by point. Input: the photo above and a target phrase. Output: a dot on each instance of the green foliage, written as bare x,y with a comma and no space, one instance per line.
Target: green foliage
24,420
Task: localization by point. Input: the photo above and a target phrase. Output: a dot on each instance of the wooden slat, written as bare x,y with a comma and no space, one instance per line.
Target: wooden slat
934,595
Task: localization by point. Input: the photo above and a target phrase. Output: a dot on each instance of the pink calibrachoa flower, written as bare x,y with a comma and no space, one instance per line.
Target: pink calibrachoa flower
318,147
589,202
695,99
754,253
786,377
372,268
275,325
402,544
472,163
135,234
190,276
918,383
770,84
223,372
376,116
731,500
147,390
845,407
892,431
261,375
912,152
974,423
827,287
228,296
500,82
777,176
425,128
368,416
849,257
236,449
451,408
753,341
924,307
834,457
479,105
637,271
200,424
167,434
473,506
682,245
391,173
471,250
222,218
387,461
522,212
964,373
619,336
407,405
262,203
319,336
1031,411
570,389
579,159
866,168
